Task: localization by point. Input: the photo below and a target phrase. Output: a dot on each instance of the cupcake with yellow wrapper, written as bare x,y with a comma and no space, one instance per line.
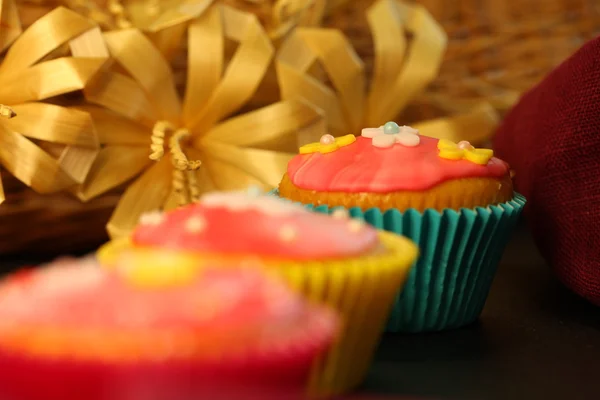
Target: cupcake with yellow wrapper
332,260
454,200
158,328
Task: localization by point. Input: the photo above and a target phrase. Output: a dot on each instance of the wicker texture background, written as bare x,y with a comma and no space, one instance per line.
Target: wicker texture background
496,49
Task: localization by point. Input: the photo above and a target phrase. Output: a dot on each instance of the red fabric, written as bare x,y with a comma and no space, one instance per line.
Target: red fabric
552,140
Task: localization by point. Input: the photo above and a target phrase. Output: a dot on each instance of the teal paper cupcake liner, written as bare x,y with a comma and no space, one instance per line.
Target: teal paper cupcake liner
459,254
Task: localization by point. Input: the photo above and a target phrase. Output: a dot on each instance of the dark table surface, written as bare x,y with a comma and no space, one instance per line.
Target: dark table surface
535,340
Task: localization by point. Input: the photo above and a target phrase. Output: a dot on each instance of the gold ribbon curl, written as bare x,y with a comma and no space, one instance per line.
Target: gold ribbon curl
184,181
139,115
47,147
409,49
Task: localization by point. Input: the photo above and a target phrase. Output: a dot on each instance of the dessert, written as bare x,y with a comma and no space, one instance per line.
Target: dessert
143,331
333,260
455,201
402,170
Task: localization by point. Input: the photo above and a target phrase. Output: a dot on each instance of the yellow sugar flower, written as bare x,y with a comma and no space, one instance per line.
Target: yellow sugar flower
327,144
463,150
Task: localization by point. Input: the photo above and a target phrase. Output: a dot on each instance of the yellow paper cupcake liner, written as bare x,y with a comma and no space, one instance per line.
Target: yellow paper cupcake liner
361,289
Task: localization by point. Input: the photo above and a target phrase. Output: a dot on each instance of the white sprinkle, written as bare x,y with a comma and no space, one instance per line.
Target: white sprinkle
372,132
408,139
195,224
288,233
340,213
152,218
384,141
241,201
356,225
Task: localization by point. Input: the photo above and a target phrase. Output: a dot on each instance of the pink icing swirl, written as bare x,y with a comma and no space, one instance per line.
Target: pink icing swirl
362,167
245,224
80,295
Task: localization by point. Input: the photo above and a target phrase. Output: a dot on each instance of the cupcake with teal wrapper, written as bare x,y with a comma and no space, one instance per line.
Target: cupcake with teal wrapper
452,199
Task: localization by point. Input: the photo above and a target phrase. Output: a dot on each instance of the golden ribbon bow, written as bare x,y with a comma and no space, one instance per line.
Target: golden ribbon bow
136,100
162,20
47,147
403,68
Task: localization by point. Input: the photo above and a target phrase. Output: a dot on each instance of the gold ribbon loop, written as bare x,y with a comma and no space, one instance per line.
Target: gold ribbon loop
244,73
206,46
5,112
295,84
409,48
11,24
476,125
48,79
44,36
2,196
47,147
26,161
149,192
54,124
423,58
136,53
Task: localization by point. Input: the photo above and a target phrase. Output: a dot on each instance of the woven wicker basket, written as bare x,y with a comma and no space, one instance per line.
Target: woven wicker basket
497,49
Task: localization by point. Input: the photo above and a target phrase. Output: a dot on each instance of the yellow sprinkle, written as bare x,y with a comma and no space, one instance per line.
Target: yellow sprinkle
479,156
310,148
450,151
328,148
445,144
345,140
451,154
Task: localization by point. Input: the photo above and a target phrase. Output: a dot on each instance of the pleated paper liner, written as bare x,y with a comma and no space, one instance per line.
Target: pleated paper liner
361,289
277,371
459,254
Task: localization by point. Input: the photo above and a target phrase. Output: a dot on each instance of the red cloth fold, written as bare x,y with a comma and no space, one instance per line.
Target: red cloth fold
552,140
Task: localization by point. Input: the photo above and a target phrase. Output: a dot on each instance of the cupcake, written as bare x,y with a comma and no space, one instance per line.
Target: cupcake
145,331
455,201
336,261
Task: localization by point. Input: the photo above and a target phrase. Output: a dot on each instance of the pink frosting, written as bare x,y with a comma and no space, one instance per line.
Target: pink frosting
72,295
362,167
242,224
